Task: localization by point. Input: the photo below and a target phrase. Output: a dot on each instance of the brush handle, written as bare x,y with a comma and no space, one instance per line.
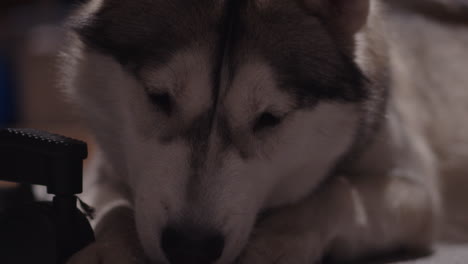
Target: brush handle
42,158
43,232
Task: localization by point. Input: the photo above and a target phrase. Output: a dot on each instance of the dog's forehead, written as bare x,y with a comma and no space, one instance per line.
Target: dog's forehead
165,12
136,32
303,57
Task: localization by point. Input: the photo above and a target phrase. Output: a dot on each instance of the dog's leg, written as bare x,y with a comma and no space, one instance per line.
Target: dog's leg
391,216
300,233
116,241
114,225
353,217
347,222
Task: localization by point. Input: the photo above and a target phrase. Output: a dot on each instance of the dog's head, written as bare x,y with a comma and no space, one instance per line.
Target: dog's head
214,114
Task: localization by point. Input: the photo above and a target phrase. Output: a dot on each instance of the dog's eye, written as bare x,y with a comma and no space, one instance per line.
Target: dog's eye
162,101
266,120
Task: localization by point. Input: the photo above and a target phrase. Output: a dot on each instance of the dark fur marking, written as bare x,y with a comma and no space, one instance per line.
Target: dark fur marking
225,132
302,53
163,101
138,33
198,135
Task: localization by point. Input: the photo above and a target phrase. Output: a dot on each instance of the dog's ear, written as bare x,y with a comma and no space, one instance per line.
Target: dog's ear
344,18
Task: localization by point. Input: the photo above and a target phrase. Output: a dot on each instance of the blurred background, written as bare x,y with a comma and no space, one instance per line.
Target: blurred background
31,34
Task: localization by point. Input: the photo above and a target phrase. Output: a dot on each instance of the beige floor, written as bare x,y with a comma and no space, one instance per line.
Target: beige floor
444,254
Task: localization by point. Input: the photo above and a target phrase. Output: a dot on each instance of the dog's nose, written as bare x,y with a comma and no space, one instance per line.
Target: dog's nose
183,245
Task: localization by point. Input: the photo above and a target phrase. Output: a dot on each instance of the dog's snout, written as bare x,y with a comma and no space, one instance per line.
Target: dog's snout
183,245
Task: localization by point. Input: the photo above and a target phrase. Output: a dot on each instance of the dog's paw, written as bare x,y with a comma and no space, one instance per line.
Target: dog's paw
300,233
116,241
106,253
281,249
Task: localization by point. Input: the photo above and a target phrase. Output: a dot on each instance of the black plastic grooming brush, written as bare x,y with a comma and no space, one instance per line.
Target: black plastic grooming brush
43,232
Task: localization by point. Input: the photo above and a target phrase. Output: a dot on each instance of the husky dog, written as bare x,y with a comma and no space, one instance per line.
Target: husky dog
251,131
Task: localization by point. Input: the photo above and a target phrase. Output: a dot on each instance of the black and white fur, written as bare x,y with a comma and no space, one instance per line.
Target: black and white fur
268,132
